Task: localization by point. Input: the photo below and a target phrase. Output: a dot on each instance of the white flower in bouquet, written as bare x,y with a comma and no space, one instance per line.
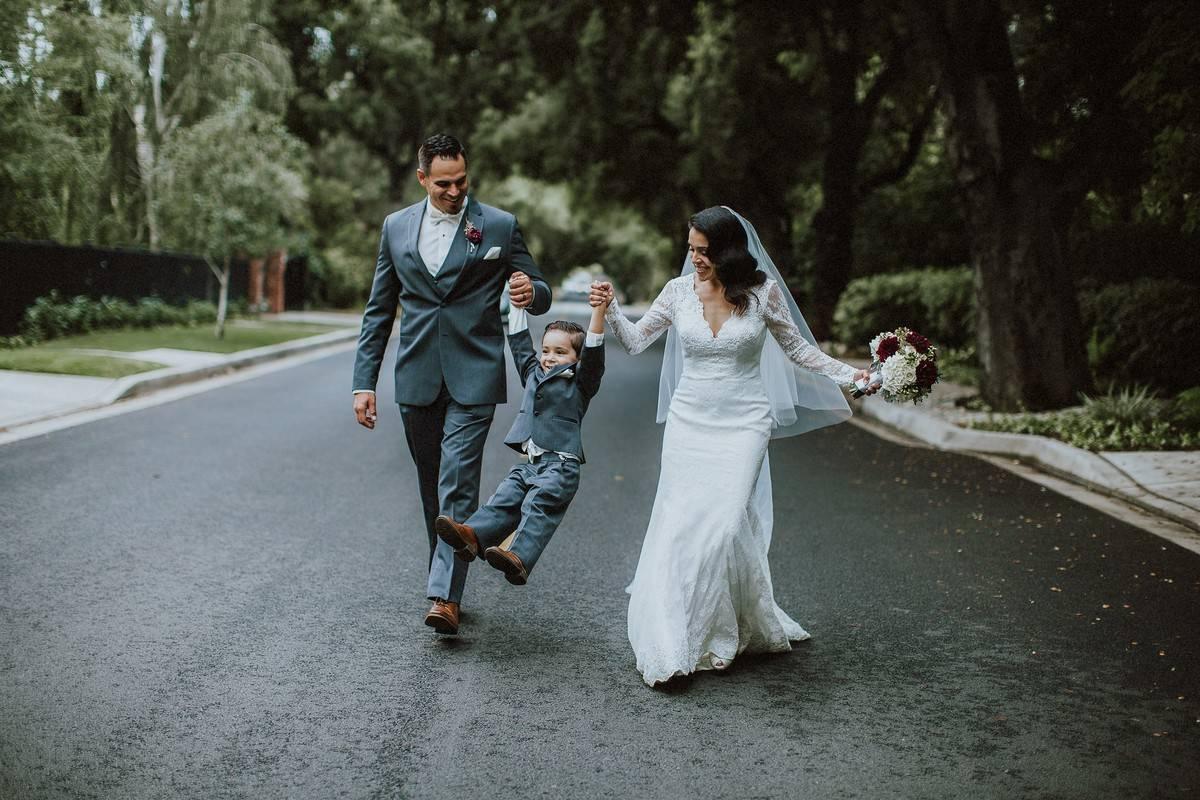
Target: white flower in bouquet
898,372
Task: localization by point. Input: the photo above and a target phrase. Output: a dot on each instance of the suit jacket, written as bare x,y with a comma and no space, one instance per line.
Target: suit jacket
450,328
554,402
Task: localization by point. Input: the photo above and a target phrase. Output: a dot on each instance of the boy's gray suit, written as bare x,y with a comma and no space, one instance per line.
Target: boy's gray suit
533,498
450,363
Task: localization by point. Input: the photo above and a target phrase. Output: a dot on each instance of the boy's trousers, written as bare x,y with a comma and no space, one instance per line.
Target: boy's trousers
530,503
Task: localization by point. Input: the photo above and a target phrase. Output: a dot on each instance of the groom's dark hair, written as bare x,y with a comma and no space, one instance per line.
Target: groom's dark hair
440,145
572,329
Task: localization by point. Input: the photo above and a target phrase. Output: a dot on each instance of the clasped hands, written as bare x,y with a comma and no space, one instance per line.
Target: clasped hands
600,294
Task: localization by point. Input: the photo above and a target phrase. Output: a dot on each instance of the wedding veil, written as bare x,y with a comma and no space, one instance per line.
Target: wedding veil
801,400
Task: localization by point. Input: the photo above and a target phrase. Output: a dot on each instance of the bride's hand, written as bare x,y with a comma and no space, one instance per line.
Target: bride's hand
601,293
865,375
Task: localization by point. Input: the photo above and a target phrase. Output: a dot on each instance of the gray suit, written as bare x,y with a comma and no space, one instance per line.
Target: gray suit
532,500
450,364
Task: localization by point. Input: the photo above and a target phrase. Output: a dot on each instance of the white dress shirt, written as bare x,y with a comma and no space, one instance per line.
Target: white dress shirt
518,320
437,233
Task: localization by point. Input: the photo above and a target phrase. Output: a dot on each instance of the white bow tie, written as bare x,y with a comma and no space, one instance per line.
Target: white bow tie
437,217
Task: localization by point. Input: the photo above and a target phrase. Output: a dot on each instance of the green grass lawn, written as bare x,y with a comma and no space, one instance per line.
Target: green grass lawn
238,336
40,359
59,355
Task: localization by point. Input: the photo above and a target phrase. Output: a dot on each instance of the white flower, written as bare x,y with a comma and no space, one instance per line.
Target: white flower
898,373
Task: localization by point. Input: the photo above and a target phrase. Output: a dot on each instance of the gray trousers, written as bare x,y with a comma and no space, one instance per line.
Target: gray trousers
531,502
446,440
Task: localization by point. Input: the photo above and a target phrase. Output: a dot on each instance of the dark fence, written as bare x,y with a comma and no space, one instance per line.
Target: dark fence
29,270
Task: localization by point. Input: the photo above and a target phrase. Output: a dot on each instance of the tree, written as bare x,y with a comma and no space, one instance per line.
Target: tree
196,57
1029,332
253,201
879,104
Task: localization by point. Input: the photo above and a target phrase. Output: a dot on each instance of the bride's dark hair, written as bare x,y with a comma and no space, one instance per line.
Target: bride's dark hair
737,270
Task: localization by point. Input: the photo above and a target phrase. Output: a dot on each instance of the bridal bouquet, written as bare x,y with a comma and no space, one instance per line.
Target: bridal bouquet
905,365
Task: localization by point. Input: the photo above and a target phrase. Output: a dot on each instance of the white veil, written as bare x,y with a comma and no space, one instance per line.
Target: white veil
801,400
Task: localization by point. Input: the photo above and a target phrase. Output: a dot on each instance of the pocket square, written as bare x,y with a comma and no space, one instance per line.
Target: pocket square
492,254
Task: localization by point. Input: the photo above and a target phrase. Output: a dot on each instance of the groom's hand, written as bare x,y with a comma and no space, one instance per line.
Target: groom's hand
364,409
600,294
520,290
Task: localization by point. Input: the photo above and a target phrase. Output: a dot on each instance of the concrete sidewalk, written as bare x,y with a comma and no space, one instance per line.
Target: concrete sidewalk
1165,483
30,397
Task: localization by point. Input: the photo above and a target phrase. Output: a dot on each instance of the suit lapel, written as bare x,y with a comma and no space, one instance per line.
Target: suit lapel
461,253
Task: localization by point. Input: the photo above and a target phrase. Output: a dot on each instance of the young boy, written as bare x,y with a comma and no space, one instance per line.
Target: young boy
516,524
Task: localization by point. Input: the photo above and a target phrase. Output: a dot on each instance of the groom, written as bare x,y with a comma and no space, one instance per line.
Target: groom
444,262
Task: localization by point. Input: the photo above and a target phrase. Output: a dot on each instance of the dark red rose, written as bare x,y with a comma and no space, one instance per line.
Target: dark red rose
887,348
927,373
474,235
919,342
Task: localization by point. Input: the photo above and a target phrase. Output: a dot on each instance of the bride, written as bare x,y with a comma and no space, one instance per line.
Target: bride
702,591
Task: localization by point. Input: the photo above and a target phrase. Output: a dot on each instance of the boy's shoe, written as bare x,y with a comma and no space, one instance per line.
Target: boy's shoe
509,563
443,617
460,537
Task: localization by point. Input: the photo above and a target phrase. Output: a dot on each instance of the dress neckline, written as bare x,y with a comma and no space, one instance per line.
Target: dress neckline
700,302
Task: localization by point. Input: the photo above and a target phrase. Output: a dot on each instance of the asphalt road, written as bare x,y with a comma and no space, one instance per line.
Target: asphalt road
222,596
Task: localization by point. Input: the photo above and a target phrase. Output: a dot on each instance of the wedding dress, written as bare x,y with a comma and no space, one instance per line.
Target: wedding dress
702,591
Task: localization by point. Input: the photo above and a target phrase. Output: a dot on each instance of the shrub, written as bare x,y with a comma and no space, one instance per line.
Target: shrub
937,302
1126,406
52,317
337,279
1125,419
1143,333
1185,410
1083,430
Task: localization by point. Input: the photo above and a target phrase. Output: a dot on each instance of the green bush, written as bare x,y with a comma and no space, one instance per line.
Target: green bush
52,316
1083,430
1185,410
337,279
938,303
1143,332
1124,419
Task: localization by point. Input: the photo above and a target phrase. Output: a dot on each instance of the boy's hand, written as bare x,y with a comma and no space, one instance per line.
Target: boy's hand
520,290
601,294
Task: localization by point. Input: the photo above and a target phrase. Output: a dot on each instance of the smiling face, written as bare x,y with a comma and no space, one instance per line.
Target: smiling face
698,251
557,349
446,183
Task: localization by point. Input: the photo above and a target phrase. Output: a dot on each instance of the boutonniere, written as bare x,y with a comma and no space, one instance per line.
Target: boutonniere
474,237
567,373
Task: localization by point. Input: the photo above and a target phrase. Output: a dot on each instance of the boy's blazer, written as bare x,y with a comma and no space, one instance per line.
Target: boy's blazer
554,402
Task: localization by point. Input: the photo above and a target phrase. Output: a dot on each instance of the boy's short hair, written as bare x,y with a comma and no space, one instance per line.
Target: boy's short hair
572,329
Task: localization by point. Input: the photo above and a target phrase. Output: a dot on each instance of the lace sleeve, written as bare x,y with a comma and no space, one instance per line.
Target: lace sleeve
636,337
797,348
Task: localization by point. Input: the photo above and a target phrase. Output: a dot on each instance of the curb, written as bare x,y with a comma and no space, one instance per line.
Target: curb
146,382
1058,458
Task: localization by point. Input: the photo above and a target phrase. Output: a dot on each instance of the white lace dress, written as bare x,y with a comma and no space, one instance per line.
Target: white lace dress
702,592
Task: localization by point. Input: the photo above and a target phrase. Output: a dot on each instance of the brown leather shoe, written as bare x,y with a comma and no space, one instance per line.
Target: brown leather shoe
443,617
509,563
460,537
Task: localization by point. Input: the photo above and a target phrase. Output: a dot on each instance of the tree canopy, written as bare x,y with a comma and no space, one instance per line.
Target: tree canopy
832,124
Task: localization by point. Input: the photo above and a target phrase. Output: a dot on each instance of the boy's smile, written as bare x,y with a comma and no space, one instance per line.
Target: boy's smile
557,349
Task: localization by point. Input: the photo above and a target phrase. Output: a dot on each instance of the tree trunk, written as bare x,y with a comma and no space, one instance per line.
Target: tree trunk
1029,332
222,276
833,230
